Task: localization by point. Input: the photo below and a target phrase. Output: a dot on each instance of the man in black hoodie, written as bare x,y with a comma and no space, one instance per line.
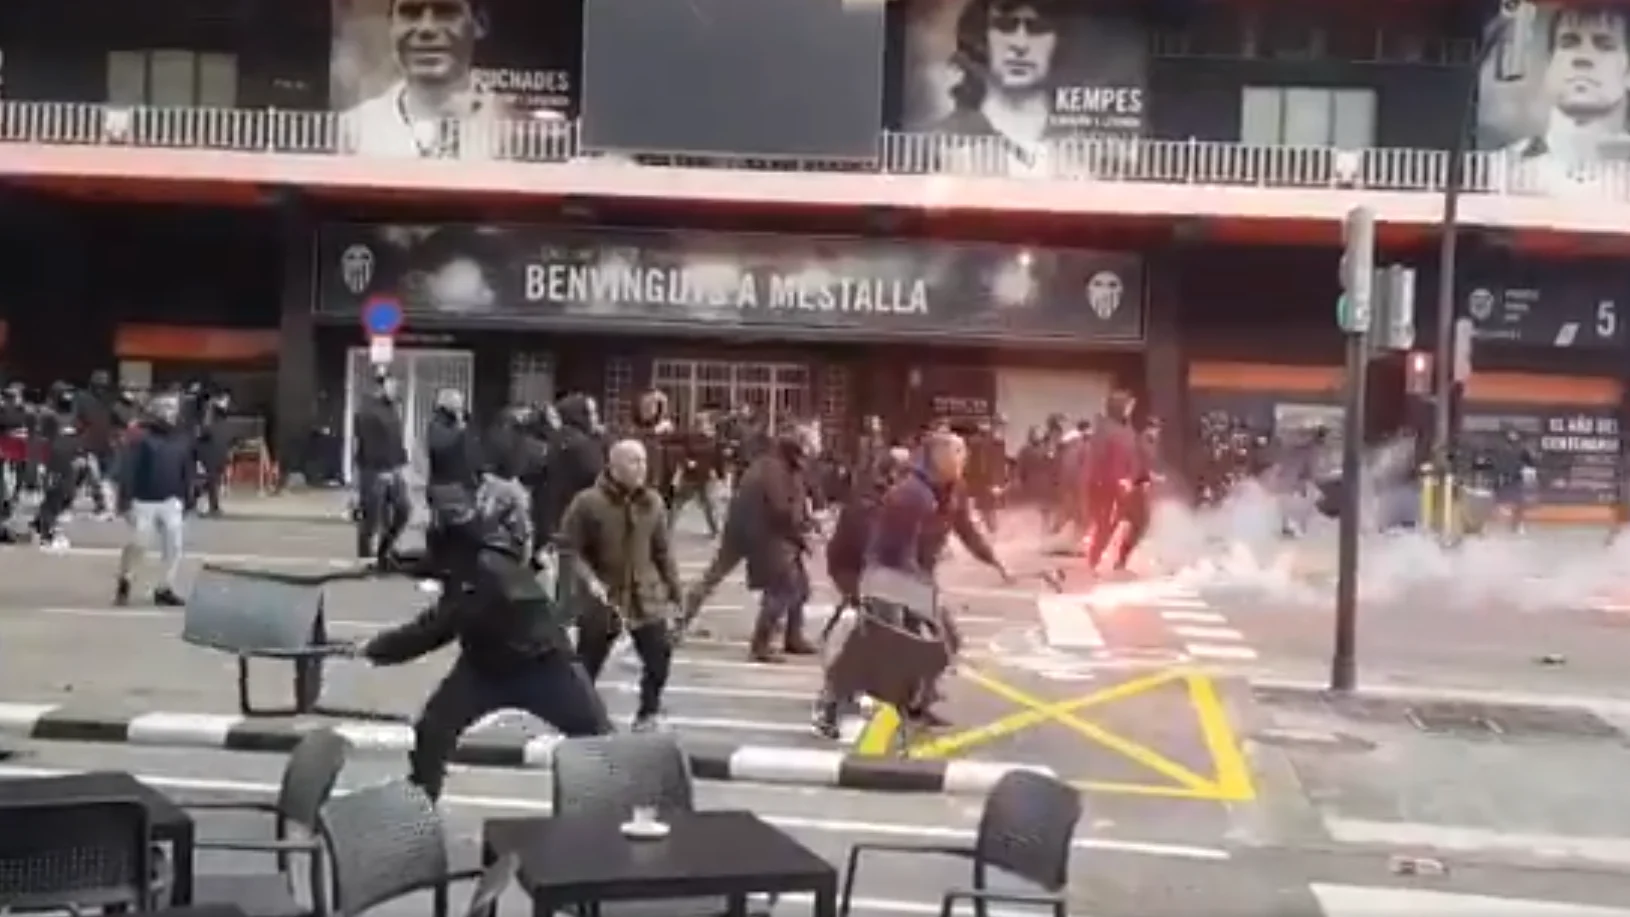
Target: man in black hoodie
62,464
93,410
576,459
514,651
381,462
156,477
453,449
773,531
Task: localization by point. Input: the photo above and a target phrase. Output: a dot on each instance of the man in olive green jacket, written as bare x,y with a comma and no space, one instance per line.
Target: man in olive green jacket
615,537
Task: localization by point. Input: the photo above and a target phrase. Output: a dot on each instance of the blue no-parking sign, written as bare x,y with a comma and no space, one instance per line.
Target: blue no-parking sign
382,317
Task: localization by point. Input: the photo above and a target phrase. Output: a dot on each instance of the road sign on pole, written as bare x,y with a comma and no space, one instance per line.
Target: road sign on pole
382,316
381,350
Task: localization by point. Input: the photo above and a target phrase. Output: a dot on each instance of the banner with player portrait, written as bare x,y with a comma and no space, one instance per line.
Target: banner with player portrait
440,78
1026,71
1552,97
565,279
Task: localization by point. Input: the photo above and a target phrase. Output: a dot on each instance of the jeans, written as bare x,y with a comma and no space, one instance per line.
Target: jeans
383,500
782,605
167,519
552,688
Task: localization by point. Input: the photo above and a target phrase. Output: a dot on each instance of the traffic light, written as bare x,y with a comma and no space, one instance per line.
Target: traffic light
1418,374
1357,271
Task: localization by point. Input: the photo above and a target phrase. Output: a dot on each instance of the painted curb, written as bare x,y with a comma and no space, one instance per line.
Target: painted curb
832,769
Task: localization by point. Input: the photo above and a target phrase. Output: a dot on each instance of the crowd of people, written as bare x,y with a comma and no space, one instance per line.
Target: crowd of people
550,488
549,537
151,457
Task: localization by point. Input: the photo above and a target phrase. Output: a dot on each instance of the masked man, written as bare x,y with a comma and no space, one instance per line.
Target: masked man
381,465
1117,475
514,651
452,447
771,512
615,535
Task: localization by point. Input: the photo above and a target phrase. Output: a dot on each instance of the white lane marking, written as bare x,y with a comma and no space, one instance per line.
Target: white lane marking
1207,633
1218,651
1193,617
1466,839
791,822
1068,623
725,724
1174,601
1361,901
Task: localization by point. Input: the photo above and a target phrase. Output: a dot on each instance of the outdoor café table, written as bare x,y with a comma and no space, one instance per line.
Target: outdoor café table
171,823
573,860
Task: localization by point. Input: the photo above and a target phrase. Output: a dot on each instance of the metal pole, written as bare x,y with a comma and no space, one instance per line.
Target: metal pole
1344,659
1454,184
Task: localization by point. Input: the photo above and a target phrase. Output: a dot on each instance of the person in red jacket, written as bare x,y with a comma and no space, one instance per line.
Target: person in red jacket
1117,471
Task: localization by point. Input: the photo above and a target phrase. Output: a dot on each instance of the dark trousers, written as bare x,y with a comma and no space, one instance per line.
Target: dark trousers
687,492
597,633
552,688
781,604
57,496
725,559
1134,509
211,488
384,512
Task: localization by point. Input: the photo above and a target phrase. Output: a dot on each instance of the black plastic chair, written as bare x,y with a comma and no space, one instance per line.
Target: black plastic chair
76,855
1026,830
271,615
308,780
607,776
387,842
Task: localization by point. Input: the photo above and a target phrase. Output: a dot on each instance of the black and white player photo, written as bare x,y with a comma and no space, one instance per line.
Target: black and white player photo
433,78
1556,102
1025,71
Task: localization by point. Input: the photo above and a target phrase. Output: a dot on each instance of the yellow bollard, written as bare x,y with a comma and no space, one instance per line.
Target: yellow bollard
1429,484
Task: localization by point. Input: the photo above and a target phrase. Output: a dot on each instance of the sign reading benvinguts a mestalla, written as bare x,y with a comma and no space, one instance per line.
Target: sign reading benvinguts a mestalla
520,275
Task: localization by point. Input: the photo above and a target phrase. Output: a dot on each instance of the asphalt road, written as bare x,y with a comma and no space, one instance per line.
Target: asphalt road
1135,722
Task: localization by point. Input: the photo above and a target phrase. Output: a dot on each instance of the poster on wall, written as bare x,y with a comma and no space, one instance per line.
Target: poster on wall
1552,98
1023,72
1577,449
441,78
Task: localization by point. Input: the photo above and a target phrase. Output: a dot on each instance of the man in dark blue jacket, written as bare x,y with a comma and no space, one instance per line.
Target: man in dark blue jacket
916,520
156,479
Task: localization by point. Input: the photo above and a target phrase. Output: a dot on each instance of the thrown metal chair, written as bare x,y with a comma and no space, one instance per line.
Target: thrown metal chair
308,781
76,855
387,842
1026,830
275,616
607,776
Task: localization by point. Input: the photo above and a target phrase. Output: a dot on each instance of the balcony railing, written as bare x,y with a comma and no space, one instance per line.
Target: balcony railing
1200,163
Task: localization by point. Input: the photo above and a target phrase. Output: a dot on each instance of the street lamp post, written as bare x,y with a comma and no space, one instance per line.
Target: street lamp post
1513,21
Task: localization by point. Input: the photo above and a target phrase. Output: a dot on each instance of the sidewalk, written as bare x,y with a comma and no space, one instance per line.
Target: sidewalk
1436,780
331,505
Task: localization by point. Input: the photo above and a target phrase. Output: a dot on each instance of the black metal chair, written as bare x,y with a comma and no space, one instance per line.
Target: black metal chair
1026,830
387,842
274,616
76,855
308,780
607,776
496,880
